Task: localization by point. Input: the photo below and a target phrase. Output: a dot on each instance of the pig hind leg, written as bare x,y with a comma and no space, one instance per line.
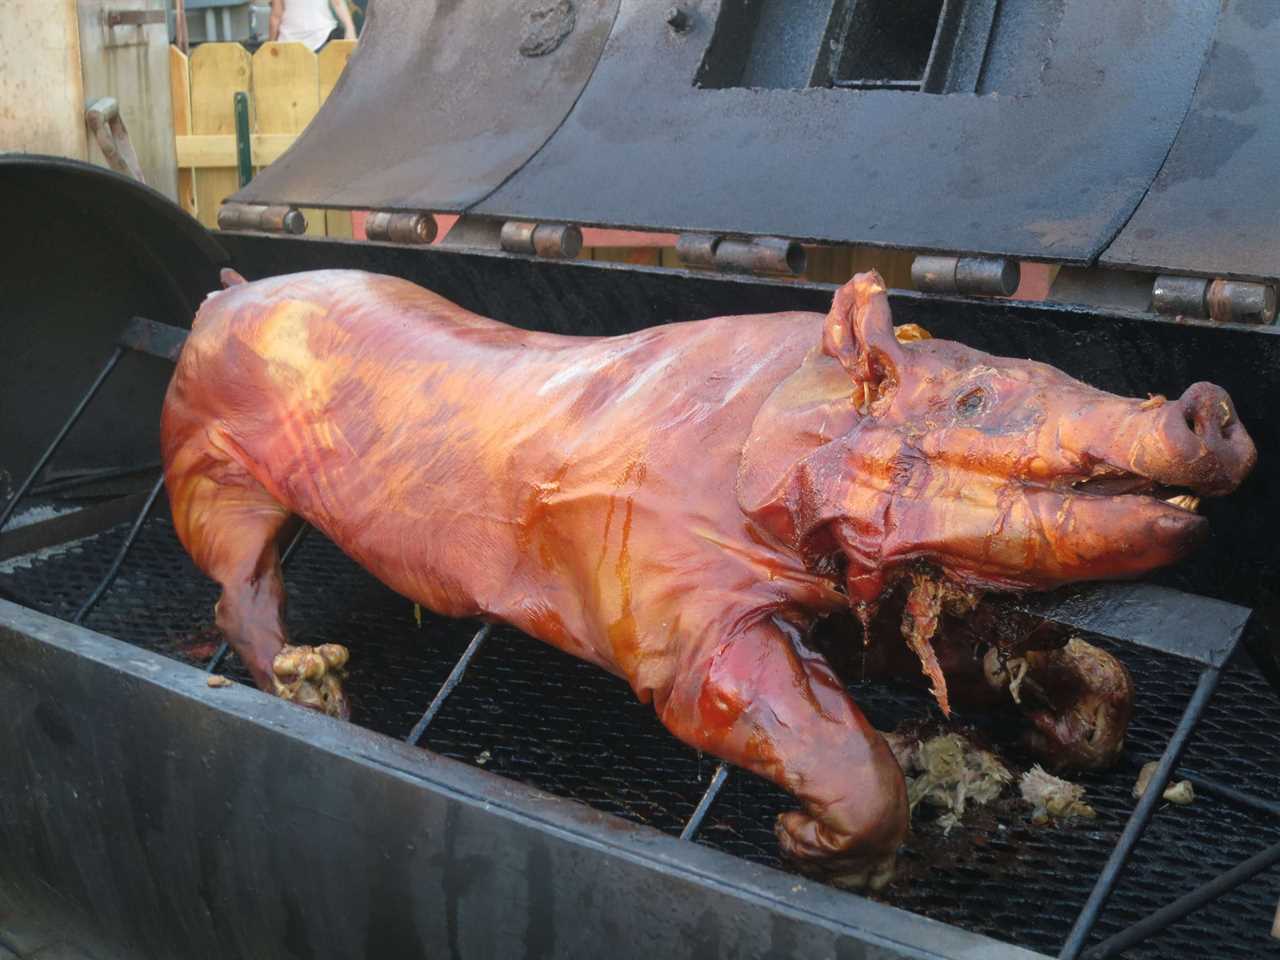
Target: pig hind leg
233,531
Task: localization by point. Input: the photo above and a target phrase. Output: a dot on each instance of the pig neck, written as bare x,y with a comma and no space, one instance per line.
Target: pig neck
804,419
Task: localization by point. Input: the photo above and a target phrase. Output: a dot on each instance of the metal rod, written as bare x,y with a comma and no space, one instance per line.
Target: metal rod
1197,898
220,654
296,542
1230,794
455,677
1140,817
244,154
708,797
23,487
125,547
93,476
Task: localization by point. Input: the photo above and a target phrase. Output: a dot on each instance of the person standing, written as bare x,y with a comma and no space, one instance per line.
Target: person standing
310,21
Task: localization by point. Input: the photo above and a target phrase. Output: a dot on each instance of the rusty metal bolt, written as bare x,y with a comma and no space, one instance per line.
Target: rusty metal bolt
678,19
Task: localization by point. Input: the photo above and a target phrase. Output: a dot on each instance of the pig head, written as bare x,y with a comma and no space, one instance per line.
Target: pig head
970,472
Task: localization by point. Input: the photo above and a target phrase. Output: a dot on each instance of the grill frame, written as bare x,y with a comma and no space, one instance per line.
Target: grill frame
495,283
106,710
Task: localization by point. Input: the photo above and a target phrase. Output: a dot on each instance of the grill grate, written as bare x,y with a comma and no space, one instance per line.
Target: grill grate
531,713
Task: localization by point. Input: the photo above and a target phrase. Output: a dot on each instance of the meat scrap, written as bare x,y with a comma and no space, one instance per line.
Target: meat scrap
1052,798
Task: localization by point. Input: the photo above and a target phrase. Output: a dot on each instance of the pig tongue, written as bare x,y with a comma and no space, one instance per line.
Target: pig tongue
920,619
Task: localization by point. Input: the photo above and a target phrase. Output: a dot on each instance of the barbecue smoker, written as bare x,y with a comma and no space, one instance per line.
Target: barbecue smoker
494,797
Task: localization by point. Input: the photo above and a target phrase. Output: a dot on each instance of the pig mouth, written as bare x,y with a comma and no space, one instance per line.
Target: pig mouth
1123,484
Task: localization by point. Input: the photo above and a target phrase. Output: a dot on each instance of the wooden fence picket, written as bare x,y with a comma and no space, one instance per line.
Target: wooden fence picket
180,93
286,95
333,60
218,70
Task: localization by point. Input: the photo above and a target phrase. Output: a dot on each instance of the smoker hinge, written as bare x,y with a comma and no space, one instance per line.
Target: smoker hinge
132,18
763,255
1236,301
976,276
556,240
258,216
391,227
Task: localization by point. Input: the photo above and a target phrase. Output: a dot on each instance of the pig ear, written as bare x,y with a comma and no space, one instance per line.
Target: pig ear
859,333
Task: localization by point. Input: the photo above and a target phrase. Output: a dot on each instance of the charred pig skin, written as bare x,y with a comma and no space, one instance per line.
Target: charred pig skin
677,506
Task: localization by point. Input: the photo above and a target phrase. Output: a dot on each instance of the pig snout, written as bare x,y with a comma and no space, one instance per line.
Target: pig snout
1201,442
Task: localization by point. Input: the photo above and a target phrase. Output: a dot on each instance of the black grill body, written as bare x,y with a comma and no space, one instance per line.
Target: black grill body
540,815
540,810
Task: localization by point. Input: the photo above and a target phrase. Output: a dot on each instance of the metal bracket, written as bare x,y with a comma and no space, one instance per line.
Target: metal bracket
393,227
975,276
555,240
107,126
255,216
132,18
1235,301
753,255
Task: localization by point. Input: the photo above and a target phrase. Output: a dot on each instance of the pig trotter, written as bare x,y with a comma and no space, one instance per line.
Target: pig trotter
817,852
764,702
1078,698
312,676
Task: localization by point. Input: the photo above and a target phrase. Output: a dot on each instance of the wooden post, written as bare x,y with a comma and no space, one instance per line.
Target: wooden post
42,97
332,61
286,95
180,96
218,70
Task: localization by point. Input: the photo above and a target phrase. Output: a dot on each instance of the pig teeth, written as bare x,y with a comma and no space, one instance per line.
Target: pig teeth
1186,501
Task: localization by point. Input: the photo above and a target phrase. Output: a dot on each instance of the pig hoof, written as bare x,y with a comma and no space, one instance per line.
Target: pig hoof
807,844
312,676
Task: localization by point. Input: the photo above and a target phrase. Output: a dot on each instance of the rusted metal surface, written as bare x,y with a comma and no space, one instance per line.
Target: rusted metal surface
400,227
152,338
1214,206
1238,301
1234,301
437,107
760,255
132,18
697,249
980,276
277,218
555,240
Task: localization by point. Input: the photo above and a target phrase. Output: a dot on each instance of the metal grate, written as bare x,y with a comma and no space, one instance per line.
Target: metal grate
529,712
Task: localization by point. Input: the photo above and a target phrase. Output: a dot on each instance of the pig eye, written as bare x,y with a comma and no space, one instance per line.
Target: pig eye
971,402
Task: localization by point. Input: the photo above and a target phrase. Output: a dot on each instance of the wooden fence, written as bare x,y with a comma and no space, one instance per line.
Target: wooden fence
286,83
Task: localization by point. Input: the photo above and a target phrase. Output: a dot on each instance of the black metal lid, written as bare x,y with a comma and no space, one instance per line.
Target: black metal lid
1075,131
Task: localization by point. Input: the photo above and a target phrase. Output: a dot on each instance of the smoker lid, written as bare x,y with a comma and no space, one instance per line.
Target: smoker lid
1041,131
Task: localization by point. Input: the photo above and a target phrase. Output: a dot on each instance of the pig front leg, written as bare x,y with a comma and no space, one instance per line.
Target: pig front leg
232,528
762,701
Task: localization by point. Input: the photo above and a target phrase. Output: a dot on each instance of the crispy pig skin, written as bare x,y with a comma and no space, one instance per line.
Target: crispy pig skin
677,505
